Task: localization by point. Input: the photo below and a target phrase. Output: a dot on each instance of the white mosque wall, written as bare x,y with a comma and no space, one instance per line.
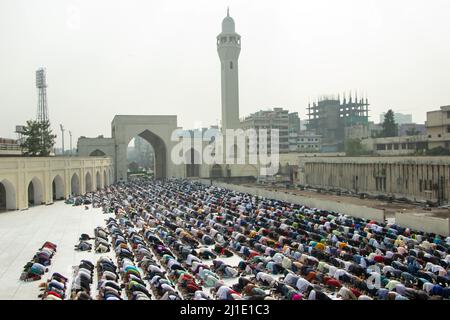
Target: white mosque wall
51,177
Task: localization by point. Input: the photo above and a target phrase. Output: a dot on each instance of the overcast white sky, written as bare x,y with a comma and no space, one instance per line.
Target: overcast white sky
107,57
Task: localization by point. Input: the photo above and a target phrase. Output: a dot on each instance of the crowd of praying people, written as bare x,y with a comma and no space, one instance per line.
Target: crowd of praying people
180,239
38,265
82,280
54,288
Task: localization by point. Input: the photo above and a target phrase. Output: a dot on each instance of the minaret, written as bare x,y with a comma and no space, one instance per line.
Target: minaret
229,47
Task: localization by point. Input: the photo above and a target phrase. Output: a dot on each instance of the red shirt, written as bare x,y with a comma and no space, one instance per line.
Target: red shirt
378,258
53,293
333,283
355,292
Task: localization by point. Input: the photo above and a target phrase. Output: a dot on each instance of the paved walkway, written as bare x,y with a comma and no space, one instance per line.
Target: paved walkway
23,232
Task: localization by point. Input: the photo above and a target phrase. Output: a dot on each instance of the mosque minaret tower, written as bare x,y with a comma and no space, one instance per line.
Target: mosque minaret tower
229,47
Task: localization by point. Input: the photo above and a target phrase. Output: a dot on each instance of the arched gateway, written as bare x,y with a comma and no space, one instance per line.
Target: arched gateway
156,130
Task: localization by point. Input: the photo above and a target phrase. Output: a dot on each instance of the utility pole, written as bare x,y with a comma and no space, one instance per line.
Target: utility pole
62,132
70,134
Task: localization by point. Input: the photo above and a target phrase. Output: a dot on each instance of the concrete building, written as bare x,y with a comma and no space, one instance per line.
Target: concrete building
396,146
400,118
375,129
278,118
438,128
357,131
303,125
95,147
26,181
304,142
406,129
414,178
331,118
9,147
289,162
294,125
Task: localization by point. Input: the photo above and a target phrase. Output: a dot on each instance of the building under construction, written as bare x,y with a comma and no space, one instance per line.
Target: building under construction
331,118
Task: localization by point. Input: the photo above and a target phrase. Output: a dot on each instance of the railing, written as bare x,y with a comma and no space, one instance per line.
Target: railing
13,147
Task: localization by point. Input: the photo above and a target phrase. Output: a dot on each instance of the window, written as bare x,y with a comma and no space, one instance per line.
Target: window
439,135
448,114
231,64
448,129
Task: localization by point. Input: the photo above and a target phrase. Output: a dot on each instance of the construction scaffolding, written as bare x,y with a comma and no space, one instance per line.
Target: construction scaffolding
330,117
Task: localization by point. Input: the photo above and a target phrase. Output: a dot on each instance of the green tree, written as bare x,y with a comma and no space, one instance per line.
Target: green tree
38,139
133,167
354,147
390,127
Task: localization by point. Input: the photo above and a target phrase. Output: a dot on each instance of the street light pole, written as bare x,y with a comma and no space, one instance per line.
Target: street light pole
62,131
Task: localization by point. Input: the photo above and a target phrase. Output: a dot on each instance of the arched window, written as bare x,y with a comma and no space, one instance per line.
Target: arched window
97,153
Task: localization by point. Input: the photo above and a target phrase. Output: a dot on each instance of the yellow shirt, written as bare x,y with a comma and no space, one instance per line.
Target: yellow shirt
320,246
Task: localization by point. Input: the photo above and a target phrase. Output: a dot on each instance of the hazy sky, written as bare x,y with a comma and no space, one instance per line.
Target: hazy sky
107,57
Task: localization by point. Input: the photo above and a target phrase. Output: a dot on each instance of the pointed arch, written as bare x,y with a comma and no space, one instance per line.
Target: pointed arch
57,188
159,150
110,176
88,182
98,180
75,185
105,179
35,192
7,195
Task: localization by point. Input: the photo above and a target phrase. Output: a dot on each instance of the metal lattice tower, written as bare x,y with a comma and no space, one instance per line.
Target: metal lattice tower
41,85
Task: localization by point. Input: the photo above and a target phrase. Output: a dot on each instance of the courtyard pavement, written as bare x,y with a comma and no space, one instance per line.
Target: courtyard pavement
22,233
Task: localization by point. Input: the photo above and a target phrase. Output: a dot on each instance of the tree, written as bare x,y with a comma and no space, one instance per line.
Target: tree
390,128
38,139
354,147
133,166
